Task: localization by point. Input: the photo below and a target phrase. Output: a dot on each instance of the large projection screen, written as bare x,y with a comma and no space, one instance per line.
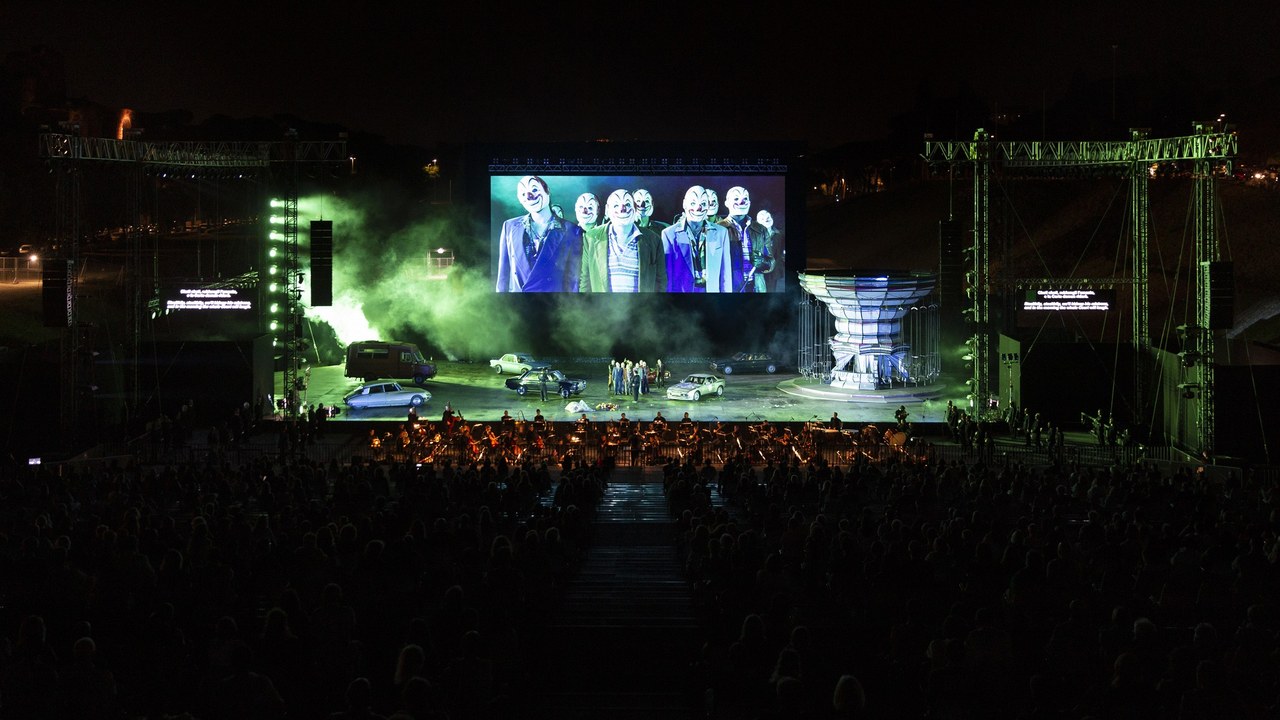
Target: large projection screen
738,310
700,252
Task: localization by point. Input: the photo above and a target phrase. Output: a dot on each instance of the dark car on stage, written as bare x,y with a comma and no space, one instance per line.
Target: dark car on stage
531,380
746,363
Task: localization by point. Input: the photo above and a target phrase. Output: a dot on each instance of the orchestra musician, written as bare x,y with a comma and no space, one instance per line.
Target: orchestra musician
836,423
719,435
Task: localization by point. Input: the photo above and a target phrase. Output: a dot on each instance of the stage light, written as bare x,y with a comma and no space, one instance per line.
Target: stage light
276,202
275,307
273,235
967,357
275,220
273,287
273,269
272,252
274,325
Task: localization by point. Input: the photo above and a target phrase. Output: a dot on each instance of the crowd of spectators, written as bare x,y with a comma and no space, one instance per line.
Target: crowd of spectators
890,588
279,588
916,589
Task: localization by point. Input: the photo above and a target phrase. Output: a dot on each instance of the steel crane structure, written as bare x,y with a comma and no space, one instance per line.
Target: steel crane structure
67,152
1209,147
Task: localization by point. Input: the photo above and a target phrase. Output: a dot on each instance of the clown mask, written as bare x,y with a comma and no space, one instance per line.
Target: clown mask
644,203
587,209
695,204
621,208
533,195
738,200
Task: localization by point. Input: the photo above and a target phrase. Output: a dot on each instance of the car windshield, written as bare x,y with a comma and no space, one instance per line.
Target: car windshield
741,356
417,357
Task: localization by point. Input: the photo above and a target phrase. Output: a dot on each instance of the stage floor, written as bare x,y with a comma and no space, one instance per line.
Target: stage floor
480,394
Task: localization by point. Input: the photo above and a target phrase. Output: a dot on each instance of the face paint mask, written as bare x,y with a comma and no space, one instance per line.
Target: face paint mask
644,203
713,204
532,194
621,208
695,204
587,208
765,219
738,200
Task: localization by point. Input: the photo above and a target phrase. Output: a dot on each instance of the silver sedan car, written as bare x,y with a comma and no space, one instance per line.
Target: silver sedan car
385,394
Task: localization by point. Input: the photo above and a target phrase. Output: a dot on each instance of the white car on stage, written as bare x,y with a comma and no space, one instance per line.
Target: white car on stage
696,386
516,363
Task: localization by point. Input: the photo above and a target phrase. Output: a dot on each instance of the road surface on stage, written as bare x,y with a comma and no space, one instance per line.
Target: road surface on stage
475,390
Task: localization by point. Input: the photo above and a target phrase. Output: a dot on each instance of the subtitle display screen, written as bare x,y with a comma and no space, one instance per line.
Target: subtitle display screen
1068,300
683,234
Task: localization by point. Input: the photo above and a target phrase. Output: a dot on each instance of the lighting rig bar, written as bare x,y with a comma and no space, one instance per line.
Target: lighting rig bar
1029,154
645,166
213,154
1068,283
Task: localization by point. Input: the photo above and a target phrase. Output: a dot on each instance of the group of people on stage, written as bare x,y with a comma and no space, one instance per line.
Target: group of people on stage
699,252
635,378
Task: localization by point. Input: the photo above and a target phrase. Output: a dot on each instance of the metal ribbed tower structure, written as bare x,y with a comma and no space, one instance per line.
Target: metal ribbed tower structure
870,348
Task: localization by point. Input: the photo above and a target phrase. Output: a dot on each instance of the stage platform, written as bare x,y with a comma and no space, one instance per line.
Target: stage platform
818,390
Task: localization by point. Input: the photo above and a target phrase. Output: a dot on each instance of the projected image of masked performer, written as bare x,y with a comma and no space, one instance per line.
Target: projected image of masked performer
620,256
644,211
697,250
587,210
537,251
773,280
750,254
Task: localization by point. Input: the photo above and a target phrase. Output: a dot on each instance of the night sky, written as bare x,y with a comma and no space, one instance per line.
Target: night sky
568,71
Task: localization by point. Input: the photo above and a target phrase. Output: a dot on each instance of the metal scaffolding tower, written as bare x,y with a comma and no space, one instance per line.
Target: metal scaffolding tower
66,153
1209,147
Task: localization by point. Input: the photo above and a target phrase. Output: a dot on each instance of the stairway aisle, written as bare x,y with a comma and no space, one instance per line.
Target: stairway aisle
618,644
